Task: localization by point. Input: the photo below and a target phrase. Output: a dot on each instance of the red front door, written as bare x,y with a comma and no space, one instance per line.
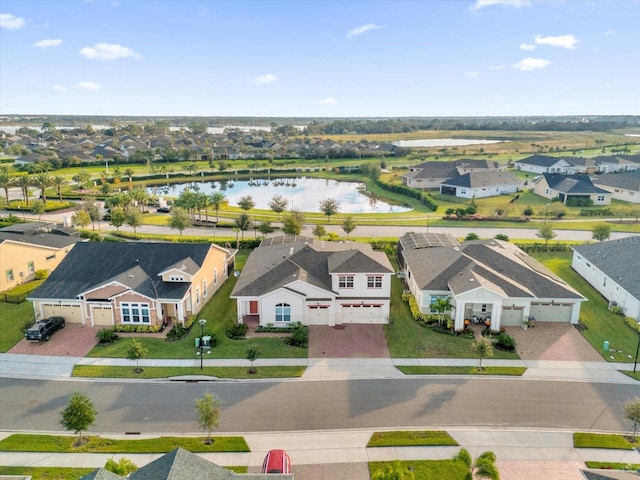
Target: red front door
253,307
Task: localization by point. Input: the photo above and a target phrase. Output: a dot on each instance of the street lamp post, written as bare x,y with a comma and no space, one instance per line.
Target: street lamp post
635,363
202,322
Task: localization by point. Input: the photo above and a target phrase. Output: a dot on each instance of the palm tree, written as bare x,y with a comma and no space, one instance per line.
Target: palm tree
217,201
6,182
43,181
24,182
484,466
58,183
442,306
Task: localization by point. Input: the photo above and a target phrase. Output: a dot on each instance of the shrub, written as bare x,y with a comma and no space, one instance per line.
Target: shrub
27,325
177,332
617,309
106,335
527,211
502,236
41,274
471,236
137,328
237,331
505,342
632,323
299,337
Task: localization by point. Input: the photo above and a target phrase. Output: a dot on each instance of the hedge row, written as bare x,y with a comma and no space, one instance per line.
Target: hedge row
425,200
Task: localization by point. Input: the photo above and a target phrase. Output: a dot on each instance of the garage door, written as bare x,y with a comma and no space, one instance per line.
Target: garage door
511,316
551,312
71,313
318,315
102,314
362,313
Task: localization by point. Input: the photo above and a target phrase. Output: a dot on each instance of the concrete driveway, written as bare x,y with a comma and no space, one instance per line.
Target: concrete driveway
74,340
347,341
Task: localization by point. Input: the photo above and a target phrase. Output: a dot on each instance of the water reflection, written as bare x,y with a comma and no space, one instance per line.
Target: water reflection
302,193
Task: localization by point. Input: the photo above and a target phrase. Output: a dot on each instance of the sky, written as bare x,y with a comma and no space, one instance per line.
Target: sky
316,58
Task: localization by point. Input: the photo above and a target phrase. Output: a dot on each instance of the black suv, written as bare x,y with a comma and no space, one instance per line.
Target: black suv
41,331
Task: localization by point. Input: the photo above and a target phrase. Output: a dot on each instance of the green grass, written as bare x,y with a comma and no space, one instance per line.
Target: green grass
435,370
98,371
12,318
635,376
46,473
600,323
427,469
600,440
613,466
431,438
65,444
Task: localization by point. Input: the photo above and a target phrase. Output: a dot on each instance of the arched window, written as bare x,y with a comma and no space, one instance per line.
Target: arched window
283,312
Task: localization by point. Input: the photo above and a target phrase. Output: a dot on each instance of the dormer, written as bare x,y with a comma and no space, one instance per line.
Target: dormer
179,272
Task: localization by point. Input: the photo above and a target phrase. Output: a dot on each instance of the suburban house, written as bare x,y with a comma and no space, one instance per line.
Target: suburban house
429,175
613,164
28,247
571,189
299,279
481,184
611,267
622,186
544,164
112,283
181,464
486,280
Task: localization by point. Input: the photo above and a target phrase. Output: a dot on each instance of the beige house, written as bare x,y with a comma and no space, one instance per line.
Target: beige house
570,189
108,284
28,247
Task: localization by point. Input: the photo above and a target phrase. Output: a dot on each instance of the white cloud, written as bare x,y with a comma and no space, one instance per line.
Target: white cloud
498,67
471,74
527,64
108,51
59,88
50,42
360,30
527,47
88,86
328,101
264,79
561,41
504,3
11,21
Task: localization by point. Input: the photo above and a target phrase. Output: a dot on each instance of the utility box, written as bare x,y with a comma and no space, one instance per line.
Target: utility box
206,342
197,342
605,346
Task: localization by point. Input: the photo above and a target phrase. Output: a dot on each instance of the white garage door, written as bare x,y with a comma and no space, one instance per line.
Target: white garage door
551,312
511,316
102,314
318,315
362,313
71,313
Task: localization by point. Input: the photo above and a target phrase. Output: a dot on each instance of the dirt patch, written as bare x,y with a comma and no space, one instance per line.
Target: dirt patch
74,340
553,341
348,341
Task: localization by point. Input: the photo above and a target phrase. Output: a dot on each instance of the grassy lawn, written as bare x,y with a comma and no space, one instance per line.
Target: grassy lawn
635,376
64,444
407,339
12,318
432,370
46,473
98,371
431,438
613,466
427,469
600,323
598,440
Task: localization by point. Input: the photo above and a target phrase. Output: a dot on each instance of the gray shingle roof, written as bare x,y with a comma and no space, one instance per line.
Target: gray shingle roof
573,184
101,474
540,160
92,264
618,259
42,239
480,179
627,181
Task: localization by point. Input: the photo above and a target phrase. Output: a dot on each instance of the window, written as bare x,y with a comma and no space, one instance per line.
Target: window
215,276
600,198
484,308
9,274
204,288
176,278
135,312
51,257
374,281
283,312
345,281
434,301
463,191
31,267
547,191
197,295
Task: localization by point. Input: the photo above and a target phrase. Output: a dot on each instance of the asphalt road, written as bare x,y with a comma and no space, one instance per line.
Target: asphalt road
167,407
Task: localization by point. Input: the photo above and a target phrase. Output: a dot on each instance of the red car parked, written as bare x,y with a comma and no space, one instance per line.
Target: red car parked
276,461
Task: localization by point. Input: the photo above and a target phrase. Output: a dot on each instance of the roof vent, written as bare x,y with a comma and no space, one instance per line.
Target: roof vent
471,280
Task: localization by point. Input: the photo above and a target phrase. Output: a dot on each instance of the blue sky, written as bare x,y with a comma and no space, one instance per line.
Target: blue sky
314,58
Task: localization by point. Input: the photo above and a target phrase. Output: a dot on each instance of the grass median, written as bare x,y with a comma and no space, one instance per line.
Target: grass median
426,469
602,440
99,371
437,370
419,438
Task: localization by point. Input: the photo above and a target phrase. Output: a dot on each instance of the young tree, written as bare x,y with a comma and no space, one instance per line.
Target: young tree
123,467
117,217
38,208
278,204
319,231
348,225
329,207
242,223
133,218
246,203
394,471
24,182
632,413
81,218
43,181
442,306
78,415
179,219
292,223
208,408
484,466
135,352
81,178
217,200
252,354
483,348
546,233
601,232
265,228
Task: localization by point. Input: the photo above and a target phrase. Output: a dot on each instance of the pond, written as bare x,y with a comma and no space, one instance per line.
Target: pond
303,193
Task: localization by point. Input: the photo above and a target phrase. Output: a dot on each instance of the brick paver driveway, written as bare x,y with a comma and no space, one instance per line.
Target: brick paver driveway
74,340
347,341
